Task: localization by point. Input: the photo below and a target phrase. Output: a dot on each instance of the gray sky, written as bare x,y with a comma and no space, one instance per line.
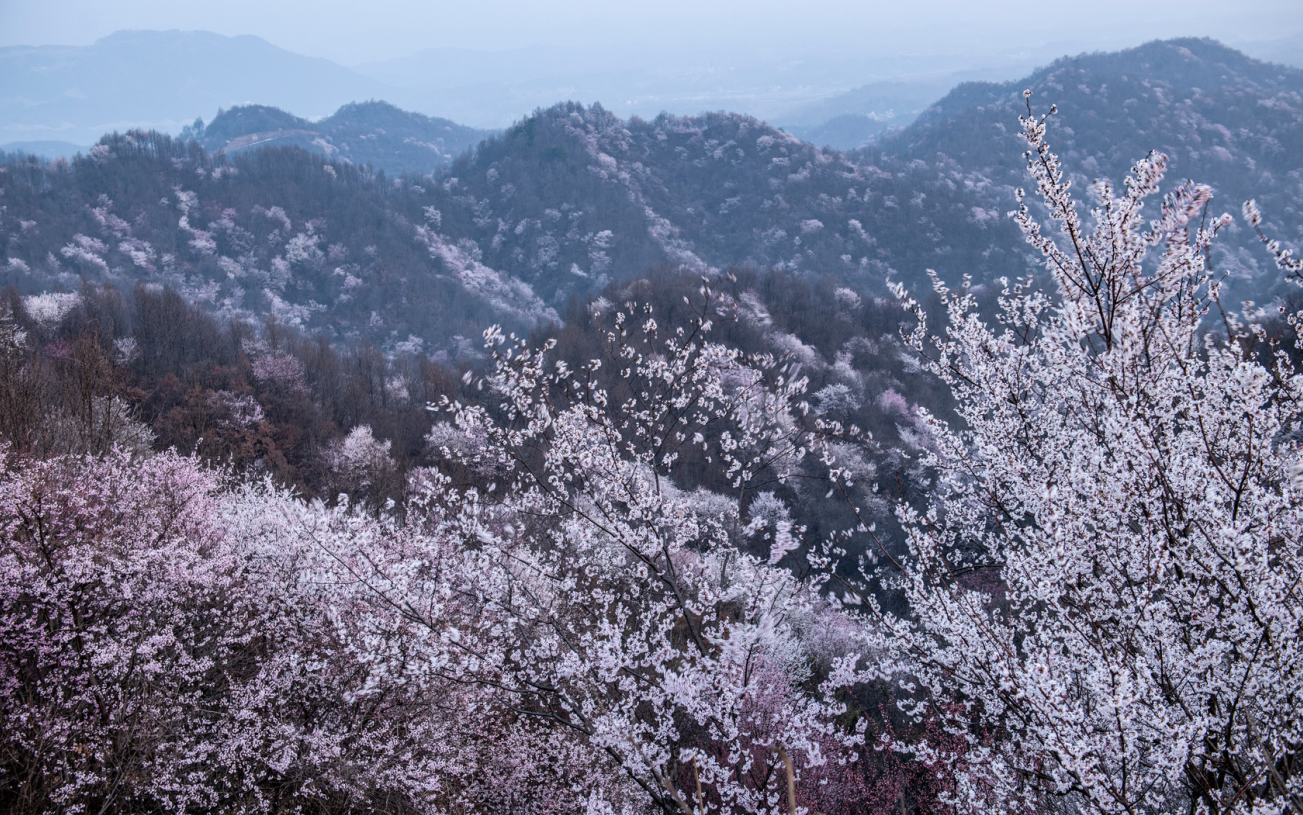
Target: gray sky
351,32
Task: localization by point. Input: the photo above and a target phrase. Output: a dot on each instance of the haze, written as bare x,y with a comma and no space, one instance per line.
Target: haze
352,33
485,64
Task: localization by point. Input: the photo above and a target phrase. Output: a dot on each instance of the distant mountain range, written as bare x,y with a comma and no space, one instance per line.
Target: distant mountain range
497,88
163,80
44,149
160,80
1286,50
574,198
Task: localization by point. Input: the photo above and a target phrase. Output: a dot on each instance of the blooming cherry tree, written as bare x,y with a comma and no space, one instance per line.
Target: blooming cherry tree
608,602
1109,571
169,645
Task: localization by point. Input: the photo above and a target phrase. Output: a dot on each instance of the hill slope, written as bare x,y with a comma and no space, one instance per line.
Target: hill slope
275,232
572,196
1222,118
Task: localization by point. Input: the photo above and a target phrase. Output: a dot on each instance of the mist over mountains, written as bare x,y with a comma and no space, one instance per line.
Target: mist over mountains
159,80
56,99
785,88
164,80
850,119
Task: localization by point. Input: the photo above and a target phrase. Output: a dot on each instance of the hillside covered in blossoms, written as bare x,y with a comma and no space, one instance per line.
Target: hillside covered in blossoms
374,464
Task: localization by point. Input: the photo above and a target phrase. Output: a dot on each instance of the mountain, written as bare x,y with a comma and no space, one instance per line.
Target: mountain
1222,118
847,131
160,80
569,200
574,195
374,133
575,198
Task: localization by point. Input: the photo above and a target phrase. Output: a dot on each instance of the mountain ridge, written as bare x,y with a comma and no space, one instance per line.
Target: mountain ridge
574,198
1220,117
372,132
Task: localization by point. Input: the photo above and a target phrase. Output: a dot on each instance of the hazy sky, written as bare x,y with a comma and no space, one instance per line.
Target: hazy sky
350,31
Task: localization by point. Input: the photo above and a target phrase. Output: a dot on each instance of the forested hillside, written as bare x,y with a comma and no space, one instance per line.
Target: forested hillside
572,198
281,232
508,234
1222,118
574,195
143,369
